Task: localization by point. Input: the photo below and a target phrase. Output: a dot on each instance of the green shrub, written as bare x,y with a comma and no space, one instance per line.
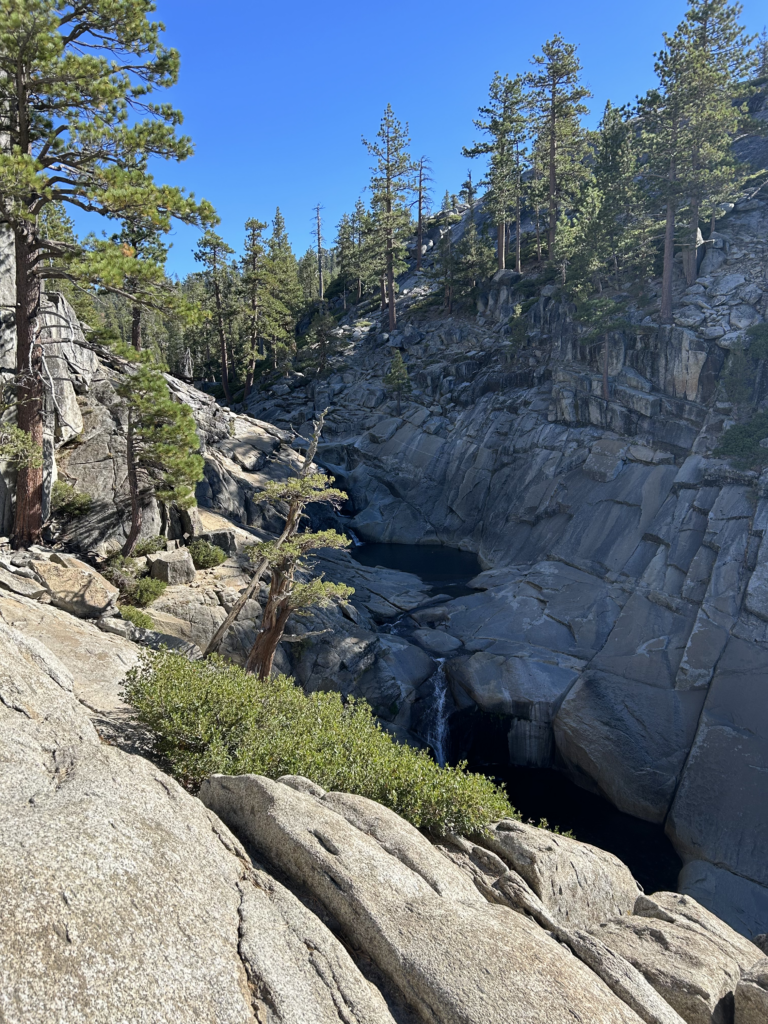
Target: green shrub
206,555
69,503
150,546
758,341
145,592
137,617
212,716
741,443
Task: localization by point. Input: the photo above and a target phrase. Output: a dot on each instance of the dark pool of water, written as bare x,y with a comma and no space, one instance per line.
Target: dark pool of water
536,792
446,570
543,793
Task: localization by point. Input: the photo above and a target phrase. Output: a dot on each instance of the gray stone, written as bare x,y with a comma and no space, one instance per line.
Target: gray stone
741,903
720,813
690,958
18,584
125,899
437,642
726,284
172,567
578,884
630,739
77,589
606,459
522,687
400,839
752,996
432,948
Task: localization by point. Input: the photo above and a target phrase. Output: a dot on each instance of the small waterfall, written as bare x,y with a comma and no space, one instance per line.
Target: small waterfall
356,542
436,731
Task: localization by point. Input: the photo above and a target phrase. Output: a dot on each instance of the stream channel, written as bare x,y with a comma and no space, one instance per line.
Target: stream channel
538,793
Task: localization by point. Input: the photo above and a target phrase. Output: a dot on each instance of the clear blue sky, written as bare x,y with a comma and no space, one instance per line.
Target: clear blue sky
277,95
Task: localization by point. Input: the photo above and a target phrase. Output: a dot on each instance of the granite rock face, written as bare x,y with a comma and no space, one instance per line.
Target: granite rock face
125,899
429,945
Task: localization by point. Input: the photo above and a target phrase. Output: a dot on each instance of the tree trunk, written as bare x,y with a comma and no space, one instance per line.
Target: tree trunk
419,233
320,285
605,369
383,293
133,488
28,519
359,289
136,328
391,270
669,255
223,344
518,264
262,655
538,237
500,232
691,252
552,183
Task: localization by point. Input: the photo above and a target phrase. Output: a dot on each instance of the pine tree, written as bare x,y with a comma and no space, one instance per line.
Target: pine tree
556,108
74,86
689,122
346,254
321,341
283,296
212,252
161,440
474,258
289,589
397,379
421,184
391,182
504,120
254,276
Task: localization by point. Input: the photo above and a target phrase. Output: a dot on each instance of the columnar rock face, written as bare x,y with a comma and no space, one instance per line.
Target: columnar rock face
621,631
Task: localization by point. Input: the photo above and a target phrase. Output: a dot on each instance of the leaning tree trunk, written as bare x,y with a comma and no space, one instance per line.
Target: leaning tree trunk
262,656
28,519
133,490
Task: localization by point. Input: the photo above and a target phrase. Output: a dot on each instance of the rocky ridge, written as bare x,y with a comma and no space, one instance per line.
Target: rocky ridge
620,629
126,898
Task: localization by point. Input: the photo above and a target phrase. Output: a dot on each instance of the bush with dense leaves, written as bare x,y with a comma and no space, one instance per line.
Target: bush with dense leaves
741,443
67,502
145,591
137,617
206,555
150,546
212,716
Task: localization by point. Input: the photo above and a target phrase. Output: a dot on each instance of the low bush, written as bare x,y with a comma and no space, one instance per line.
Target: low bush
741,443
145,591
206,555
137,617
150,546
212,716
68,502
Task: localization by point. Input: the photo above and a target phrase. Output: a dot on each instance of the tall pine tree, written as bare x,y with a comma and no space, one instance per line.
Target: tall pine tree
555,97
391,183
75,81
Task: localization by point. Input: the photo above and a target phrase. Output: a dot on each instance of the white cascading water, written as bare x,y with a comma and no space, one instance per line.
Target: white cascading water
436,733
